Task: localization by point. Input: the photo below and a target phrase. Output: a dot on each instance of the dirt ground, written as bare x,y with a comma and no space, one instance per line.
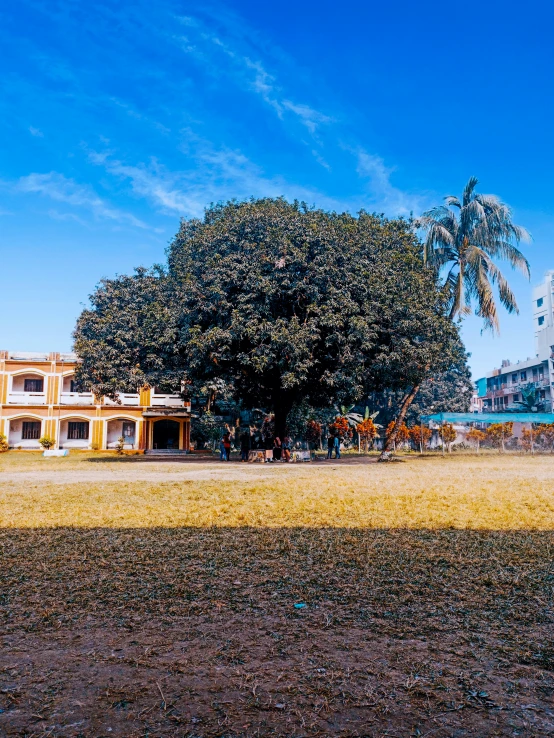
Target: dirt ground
194,631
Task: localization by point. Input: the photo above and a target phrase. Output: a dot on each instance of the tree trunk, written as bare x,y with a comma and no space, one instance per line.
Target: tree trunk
390,440
282,405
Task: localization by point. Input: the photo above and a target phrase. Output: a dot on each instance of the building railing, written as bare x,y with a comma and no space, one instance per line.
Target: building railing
167,401
77,398
124,399
27,398
508,389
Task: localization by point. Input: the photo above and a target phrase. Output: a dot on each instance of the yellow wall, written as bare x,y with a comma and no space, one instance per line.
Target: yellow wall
52,412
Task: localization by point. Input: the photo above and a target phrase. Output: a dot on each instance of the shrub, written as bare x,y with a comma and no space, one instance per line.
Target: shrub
367,430
47,442
313,433
476,436
448,434
3,443
119,445
420,435
499,433
340,427
547,435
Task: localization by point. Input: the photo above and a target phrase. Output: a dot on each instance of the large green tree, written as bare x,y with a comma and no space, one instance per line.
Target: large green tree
285,303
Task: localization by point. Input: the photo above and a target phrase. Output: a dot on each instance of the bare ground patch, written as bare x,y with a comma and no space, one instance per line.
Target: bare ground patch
193,632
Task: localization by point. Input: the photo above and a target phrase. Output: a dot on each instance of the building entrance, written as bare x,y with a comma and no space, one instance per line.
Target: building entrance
166,434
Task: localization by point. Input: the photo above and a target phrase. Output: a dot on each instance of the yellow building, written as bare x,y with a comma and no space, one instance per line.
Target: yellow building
38,398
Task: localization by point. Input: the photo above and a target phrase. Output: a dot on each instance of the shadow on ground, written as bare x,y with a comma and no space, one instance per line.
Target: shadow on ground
198,632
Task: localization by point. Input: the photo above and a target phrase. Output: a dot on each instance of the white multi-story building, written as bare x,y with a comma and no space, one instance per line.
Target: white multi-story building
502,388
543,316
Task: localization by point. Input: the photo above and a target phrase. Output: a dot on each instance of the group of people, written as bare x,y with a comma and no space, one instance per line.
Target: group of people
275,448
280,449
333,444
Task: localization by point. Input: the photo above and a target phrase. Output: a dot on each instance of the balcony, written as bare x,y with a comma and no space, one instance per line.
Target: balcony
77,398
27,398
167,401
125,399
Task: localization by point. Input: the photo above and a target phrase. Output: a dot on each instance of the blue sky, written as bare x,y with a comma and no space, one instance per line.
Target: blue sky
119,118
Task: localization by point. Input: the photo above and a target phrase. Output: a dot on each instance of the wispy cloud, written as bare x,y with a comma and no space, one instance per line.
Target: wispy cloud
62,189
72,217
36,132
381,191
247,71
310,117
214,175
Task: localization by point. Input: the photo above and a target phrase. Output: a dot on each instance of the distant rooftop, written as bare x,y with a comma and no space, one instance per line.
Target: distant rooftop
37,356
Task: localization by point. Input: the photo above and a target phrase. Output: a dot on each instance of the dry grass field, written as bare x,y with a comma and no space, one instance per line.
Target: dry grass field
157,598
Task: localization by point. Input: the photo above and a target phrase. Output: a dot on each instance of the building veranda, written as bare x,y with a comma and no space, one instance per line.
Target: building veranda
38,397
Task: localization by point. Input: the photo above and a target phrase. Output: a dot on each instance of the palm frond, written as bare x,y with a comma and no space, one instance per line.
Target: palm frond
465,245
469,190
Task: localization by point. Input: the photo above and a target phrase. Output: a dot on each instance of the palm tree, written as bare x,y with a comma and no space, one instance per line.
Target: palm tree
465,237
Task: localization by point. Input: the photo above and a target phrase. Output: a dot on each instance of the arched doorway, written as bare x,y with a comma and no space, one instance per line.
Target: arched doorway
166,434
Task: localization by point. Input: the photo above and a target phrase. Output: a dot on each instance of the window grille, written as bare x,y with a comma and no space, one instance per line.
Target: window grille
31,430
77,431
33,385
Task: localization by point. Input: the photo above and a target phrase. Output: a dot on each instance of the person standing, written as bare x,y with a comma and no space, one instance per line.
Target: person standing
336,446
245,443
227,445
222,449
330,446
277,448
286,448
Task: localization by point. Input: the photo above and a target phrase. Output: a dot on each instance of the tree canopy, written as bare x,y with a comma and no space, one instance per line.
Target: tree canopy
446,391
464,237
285,303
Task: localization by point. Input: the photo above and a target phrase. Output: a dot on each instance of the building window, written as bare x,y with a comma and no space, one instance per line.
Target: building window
514,378
73,386
128,430
516,398
523,376
77,431
540,302
31,430
33,385
541,320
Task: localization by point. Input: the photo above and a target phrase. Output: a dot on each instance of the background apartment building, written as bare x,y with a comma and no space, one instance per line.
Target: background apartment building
38,397
503,388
